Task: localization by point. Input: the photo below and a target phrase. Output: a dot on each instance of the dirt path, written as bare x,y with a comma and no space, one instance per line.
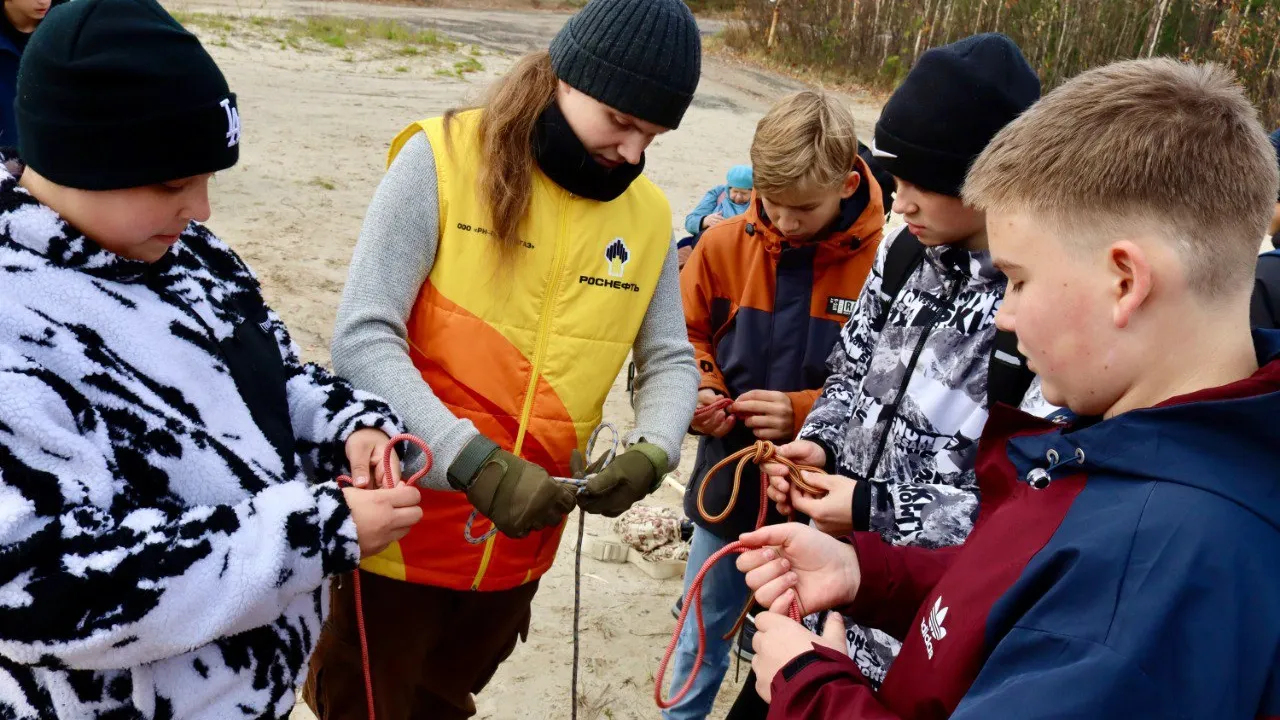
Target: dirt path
317,121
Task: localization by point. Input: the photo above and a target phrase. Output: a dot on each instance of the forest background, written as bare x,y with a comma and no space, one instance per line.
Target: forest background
873,43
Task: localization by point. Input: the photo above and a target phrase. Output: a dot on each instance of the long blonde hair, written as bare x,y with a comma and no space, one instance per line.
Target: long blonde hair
510,112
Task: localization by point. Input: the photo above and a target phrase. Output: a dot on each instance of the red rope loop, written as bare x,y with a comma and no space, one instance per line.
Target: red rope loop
694,600
387,483
712,408
760,453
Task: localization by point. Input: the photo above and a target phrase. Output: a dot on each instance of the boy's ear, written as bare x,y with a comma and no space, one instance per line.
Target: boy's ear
851,183
1131,279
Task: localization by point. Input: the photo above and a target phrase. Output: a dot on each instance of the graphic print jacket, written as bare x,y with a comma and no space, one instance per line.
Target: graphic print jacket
905,404
168,512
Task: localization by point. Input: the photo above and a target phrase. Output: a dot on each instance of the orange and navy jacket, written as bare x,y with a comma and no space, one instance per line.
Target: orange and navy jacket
1119,568
527,349
764,314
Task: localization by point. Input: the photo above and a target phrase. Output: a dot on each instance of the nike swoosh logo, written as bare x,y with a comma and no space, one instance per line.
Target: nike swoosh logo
877,152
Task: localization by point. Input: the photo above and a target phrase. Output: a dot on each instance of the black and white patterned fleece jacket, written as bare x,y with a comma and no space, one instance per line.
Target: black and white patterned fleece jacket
168,510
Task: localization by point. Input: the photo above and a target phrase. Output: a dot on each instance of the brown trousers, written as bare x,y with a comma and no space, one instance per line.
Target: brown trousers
430,649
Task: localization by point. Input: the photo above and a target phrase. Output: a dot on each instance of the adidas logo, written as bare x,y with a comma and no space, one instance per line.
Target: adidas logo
931,627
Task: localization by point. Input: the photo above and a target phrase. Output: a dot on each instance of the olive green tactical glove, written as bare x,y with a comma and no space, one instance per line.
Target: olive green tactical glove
630,477
516,495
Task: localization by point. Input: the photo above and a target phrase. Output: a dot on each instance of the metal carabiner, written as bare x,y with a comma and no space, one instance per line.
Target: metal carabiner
578,480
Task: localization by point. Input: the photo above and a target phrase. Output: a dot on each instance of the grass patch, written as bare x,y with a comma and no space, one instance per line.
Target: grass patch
324,183
336,32
343,32
460,69
218,23
401,69
469,65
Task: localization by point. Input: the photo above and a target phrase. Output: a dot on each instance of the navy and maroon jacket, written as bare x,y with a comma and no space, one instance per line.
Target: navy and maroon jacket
1125,568
763,314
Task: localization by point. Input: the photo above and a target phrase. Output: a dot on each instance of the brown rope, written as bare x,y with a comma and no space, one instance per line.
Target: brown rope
760,453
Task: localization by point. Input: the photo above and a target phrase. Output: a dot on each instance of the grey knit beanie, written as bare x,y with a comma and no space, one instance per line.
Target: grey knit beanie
640,57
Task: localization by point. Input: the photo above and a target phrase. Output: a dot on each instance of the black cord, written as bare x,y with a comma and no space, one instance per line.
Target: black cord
577,603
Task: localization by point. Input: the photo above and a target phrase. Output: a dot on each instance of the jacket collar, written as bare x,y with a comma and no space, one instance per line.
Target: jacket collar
1220,440
977,265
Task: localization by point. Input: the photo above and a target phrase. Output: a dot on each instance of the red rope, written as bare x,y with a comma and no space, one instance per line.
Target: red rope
695,600
388,483
760,453
712,408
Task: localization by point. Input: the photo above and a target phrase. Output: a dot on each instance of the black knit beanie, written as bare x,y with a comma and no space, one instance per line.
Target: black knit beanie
116,94
640,57
952,103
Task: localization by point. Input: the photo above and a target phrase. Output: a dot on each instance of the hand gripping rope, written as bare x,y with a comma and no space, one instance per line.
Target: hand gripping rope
583,469
760,453
388,483
712,408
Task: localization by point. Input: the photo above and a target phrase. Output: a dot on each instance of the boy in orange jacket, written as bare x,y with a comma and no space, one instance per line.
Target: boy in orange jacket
765,295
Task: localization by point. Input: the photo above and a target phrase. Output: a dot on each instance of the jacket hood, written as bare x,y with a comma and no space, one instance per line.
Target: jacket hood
861,218
1221,440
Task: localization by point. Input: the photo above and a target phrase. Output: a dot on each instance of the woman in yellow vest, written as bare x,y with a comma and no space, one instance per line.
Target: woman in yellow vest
512,256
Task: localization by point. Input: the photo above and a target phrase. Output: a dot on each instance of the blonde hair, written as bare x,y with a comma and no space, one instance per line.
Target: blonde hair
511,110
1149,143
807,140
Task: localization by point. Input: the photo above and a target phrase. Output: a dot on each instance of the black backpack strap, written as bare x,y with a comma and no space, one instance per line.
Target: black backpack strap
902,259
1008,376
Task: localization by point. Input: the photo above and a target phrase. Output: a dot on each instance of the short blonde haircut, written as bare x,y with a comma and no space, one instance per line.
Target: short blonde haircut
807,140
1145,145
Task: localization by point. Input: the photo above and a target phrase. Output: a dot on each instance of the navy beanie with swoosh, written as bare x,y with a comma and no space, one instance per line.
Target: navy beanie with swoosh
952,103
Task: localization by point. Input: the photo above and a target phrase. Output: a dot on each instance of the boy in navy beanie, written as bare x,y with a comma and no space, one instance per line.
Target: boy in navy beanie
167,462
897,424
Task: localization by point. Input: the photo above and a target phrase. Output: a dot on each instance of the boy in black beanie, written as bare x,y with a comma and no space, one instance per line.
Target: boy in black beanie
167,463
898,420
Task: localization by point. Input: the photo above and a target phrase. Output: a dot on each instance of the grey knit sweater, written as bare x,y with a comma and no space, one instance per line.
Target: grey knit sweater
392,260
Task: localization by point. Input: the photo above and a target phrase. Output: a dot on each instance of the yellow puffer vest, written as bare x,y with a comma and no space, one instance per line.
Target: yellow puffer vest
525,348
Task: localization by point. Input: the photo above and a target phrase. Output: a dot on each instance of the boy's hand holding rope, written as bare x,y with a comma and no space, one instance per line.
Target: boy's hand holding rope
760,453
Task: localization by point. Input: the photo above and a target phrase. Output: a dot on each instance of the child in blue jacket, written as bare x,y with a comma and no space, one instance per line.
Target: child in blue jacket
719,204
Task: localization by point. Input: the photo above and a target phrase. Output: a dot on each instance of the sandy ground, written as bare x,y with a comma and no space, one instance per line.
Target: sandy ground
317,122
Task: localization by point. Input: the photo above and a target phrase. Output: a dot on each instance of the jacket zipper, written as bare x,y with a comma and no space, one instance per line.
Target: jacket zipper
882,501
544,332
